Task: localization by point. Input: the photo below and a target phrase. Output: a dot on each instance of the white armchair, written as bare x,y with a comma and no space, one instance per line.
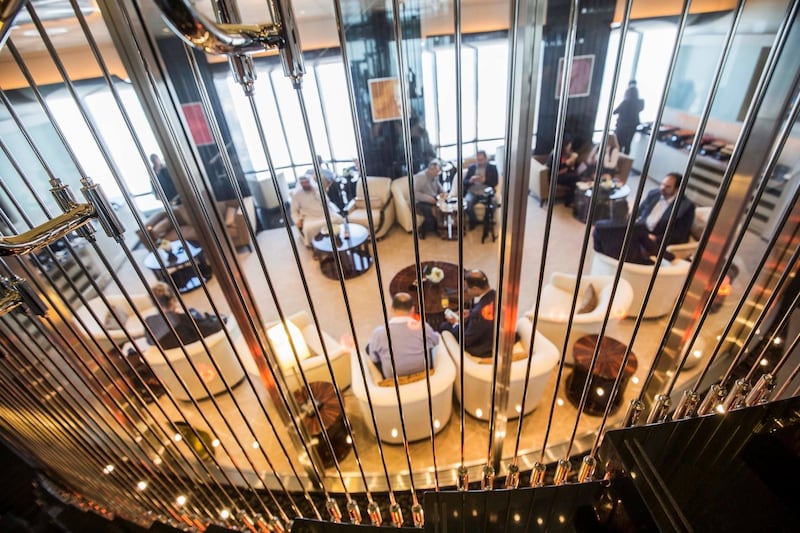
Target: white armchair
666,289
413,395
478,375
590,308
402,204
196,355
107,330
312,357
381,205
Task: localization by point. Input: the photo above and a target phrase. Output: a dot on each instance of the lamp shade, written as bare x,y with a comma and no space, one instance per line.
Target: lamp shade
283,348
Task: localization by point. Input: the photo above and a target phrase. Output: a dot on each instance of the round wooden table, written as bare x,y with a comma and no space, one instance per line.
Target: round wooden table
330,414
178,265
352,246
436,296
606,369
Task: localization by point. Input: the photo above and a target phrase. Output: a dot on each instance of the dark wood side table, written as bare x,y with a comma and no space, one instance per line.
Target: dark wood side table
330,414
606,369
352,246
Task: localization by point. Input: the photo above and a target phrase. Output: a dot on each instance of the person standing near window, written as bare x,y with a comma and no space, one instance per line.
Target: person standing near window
164,179
628,117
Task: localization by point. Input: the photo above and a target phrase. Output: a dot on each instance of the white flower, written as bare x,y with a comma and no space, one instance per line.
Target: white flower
435,275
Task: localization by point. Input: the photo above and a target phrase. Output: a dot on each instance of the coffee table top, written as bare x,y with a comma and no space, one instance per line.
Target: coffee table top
609,357
182,256
617,193
406,281
350,236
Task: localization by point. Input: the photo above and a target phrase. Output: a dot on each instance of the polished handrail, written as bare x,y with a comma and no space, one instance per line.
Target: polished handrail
234,39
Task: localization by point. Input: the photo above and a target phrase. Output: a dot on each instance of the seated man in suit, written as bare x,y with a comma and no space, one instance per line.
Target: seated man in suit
479,320
407,342
480,175
176,328
655,209
307,211
648,231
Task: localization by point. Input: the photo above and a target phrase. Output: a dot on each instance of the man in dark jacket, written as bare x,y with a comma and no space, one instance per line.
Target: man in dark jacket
480,175
655,209
651,224
479,320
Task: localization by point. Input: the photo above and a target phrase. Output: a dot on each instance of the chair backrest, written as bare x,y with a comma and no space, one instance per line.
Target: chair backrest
380,192
624,165
402,203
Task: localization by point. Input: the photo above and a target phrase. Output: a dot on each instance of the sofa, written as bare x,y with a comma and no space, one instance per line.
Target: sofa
539,177
159,226
402,204
479,374
312,357
594,298
107,329
381,204
194,366
413,397
666,289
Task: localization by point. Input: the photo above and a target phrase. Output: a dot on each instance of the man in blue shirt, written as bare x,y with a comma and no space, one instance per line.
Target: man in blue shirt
407,341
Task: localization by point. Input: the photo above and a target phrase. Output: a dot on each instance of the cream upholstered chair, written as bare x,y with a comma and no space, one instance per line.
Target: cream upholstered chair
402,204
309,350
113,317
666,289
478,374
413,396
380,202
539,180
590,309
217,350
235,221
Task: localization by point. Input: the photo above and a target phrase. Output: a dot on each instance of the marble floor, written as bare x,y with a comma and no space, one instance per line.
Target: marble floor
255,443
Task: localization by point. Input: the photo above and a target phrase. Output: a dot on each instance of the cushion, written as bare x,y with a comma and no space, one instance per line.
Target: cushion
374,373
281,346
405,380
120,313
588,300
230,215
518,352
312,340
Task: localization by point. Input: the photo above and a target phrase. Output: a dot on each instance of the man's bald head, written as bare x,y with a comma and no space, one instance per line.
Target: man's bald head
402,302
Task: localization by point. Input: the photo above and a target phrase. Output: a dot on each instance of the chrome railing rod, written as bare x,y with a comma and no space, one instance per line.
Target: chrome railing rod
9,9
79,365
773,339
588,464
405,107
77,410
48,277
373,508
561,118
776,235
460,225
758,98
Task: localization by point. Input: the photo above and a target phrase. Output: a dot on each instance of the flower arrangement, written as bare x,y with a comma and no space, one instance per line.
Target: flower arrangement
165,246
434,274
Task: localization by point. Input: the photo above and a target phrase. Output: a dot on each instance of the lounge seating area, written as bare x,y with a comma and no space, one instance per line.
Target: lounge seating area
361,386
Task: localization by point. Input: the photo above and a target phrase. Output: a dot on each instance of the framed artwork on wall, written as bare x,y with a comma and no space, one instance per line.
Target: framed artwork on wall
580,80
384,97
